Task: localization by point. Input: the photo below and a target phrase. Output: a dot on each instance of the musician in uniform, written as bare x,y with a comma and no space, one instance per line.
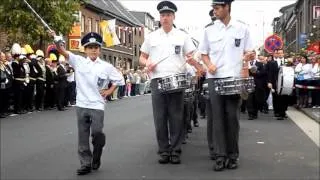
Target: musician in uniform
92,76
6,79
280,102
164,52
41,80
30,65
49,97
62,83
222,47
20,79
256,98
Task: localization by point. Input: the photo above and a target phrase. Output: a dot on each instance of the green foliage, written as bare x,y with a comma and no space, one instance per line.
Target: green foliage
22,25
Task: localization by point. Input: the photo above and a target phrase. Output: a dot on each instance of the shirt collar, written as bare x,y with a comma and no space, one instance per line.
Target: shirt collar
98,60
221,25
162,32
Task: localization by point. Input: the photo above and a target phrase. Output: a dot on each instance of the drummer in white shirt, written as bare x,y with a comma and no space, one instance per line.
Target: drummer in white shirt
92,76
223,45
173,48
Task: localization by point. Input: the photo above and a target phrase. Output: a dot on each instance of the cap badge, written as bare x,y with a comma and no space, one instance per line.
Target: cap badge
92,40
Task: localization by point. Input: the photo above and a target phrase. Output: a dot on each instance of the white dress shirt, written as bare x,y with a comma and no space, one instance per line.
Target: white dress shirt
225,46
171,46
88,73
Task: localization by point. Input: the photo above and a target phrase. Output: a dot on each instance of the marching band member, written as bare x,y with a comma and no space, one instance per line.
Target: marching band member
92,77
6,79
256,99
29,64
41,80
20,78
173,46
280,102
223,45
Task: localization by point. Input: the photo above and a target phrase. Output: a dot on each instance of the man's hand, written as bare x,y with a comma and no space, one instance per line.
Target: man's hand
105,92
212,69
249,56
150,65
51,33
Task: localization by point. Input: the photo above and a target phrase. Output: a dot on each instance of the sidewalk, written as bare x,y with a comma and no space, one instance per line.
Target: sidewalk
313,113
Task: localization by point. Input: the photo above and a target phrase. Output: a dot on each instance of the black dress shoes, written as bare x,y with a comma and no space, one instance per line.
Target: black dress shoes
96,165
84,170
252,117
164,159
219,164
232,163
280,118
175,159
196,124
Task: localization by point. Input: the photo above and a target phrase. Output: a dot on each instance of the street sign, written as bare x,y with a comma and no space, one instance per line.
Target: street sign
273,42
303,40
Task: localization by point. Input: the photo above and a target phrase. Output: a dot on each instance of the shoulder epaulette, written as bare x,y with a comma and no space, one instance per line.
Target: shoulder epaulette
210,24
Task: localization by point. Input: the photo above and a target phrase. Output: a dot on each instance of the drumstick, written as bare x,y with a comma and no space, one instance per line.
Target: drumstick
162,60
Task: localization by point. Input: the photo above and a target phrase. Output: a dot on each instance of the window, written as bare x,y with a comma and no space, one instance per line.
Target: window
97,27
140,31
130,38
110,59
124,34
139,49
135,50
105,57
135,31
89,24
114,61
83,20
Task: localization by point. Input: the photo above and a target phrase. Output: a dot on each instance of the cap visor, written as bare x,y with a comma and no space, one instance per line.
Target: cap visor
89,43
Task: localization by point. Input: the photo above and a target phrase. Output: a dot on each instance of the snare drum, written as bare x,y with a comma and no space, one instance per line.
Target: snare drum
188,94
173,83
285,82
231,86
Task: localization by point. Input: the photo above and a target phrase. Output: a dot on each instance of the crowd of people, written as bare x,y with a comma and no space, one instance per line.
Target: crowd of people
136,83
305,83
29,81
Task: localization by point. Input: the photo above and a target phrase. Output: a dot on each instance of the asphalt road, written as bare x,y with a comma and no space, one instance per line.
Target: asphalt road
43,145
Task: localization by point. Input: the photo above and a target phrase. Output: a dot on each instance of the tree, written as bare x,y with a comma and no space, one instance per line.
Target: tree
22,26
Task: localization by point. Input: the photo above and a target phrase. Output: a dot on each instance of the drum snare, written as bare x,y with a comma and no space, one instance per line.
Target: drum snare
173,83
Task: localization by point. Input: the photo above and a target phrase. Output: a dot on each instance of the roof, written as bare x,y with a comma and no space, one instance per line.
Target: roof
283,9
141,15
116,9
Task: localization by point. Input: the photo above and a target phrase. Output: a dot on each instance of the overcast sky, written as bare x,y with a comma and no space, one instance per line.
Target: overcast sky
193,15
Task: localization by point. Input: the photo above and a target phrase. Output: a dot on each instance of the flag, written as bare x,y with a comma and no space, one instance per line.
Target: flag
108,32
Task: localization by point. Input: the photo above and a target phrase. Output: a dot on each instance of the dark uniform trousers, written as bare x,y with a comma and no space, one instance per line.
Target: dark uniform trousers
40,86
194,105
61,87
30,94
256,101
202,100
19,86
90,118
49,89
280,104
168,119
210,134
186,117
225,123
